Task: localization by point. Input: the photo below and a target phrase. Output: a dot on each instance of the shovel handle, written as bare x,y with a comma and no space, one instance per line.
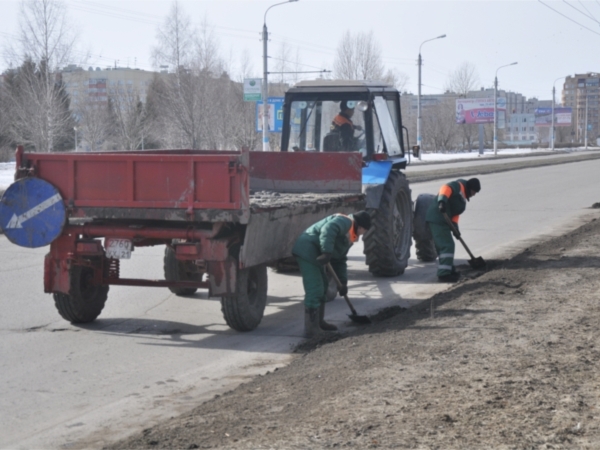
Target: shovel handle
339,285
453,228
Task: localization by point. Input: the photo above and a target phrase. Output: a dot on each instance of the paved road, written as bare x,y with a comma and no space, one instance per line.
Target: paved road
152,355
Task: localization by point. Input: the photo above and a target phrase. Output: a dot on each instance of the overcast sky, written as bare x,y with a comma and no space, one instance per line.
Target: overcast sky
546,43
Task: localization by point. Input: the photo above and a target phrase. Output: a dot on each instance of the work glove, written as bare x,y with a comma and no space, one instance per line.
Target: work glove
456,233
343,290
324,258
358,128
442,207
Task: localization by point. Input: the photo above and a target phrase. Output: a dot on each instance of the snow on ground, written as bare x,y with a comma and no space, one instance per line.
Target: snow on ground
7,169
7,174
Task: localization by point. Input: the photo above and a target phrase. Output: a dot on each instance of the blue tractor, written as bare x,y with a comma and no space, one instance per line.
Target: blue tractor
360,116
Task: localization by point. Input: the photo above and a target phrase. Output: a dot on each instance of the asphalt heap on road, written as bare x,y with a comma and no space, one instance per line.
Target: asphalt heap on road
509,360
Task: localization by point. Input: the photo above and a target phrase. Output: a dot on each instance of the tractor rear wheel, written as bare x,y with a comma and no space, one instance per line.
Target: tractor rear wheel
388,242
85,301
244,309
422,234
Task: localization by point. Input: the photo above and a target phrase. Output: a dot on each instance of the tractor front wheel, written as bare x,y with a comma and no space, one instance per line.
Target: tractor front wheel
388,242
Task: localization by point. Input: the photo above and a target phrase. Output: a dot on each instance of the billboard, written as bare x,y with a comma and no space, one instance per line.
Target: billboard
562,117
274,112
478,110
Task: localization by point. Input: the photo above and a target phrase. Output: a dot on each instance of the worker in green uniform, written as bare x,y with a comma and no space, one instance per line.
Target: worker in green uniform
452,200
327,241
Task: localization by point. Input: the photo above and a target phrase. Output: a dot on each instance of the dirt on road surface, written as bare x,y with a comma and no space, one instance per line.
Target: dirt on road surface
509,360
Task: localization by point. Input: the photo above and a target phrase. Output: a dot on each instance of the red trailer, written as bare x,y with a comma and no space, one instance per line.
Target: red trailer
222,215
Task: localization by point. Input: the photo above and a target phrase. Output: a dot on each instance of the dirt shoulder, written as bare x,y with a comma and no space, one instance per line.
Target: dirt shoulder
510,360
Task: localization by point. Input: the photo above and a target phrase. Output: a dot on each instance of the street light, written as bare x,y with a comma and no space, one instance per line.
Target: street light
265,87
419,96
75,128
496,107
553,100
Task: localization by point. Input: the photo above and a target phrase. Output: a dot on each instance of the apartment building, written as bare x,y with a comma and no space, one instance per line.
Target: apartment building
581,92
94,85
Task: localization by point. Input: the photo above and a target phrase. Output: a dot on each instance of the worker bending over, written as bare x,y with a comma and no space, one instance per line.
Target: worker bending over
451,200
327,241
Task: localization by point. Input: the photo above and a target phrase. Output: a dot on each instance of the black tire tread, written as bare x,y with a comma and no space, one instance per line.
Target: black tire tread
381,257
175,271
240,311
424,245
78,306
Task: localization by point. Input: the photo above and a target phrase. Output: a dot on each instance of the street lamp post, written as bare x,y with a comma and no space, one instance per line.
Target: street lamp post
265,86
553,121
419,95
585,134
76,147
496,107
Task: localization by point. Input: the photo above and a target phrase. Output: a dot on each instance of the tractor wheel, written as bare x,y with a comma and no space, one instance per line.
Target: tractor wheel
422,234
244,310
180,271
85,301
388,242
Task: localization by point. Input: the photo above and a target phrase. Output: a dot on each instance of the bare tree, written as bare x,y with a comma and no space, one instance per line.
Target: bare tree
397,79
175,40
358,57
93,121
128,117
186,97
439,126
37,99
462,81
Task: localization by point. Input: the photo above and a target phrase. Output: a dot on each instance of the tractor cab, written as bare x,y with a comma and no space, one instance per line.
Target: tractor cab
344,116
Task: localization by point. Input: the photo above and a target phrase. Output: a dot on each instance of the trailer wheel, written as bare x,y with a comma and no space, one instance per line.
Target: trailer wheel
422,234
388,242
180,271
244,310
85,301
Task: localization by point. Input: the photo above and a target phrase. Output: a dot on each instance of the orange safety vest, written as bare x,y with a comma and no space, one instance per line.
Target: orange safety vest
351,233
340,120
446,191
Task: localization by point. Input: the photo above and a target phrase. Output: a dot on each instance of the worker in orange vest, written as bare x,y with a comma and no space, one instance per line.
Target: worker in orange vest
343,125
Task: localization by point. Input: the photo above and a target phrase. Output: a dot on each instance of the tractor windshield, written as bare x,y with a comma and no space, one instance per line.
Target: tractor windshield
327,125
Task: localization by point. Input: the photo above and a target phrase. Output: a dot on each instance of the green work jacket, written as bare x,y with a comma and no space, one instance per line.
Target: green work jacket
329,235
454,195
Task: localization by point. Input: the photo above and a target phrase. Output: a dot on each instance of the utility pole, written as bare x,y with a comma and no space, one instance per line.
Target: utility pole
265,83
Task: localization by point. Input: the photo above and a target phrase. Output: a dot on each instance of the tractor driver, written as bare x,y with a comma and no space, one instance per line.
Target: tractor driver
343,125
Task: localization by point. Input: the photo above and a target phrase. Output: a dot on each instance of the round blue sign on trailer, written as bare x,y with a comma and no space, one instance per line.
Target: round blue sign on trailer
32,213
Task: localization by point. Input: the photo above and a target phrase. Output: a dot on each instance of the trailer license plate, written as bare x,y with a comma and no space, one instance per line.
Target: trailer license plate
118,248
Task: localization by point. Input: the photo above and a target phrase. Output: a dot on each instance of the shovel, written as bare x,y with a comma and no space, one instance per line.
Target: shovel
475,263
353,317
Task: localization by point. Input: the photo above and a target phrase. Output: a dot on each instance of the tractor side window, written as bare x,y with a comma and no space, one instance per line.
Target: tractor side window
387,128
303,125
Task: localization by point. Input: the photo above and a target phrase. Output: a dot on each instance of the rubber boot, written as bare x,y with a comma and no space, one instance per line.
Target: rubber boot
311,322
324,325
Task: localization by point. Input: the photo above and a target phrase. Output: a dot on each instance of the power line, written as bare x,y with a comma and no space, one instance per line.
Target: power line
568,18
581,12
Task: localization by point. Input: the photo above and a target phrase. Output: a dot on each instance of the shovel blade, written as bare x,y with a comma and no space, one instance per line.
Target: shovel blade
477,263
359,319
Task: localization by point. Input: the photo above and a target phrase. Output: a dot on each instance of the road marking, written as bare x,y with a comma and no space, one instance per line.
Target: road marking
16,222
